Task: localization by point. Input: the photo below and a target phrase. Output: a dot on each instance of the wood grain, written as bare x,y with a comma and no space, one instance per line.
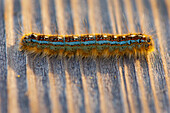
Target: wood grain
31,84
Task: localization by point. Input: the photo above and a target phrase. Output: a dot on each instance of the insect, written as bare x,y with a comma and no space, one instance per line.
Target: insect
87,45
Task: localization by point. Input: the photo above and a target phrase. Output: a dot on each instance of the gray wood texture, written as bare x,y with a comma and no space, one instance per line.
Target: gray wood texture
31,84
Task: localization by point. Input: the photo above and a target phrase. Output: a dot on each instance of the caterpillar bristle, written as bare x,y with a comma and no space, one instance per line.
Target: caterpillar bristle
88,45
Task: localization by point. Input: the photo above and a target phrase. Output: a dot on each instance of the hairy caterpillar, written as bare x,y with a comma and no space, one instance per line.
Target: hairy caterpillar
88,45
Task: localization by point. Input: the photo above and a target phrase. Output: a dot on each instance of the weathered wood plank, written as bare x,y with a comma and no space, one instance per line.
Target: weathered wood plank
41,85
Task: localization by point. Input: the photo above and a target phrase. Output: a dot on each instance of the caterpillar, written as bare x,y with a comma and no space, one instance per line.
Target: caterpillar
87,45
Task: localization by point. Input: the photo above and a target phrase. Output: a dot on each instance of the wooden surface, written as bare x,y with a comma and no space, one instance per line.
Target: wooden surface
43,85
